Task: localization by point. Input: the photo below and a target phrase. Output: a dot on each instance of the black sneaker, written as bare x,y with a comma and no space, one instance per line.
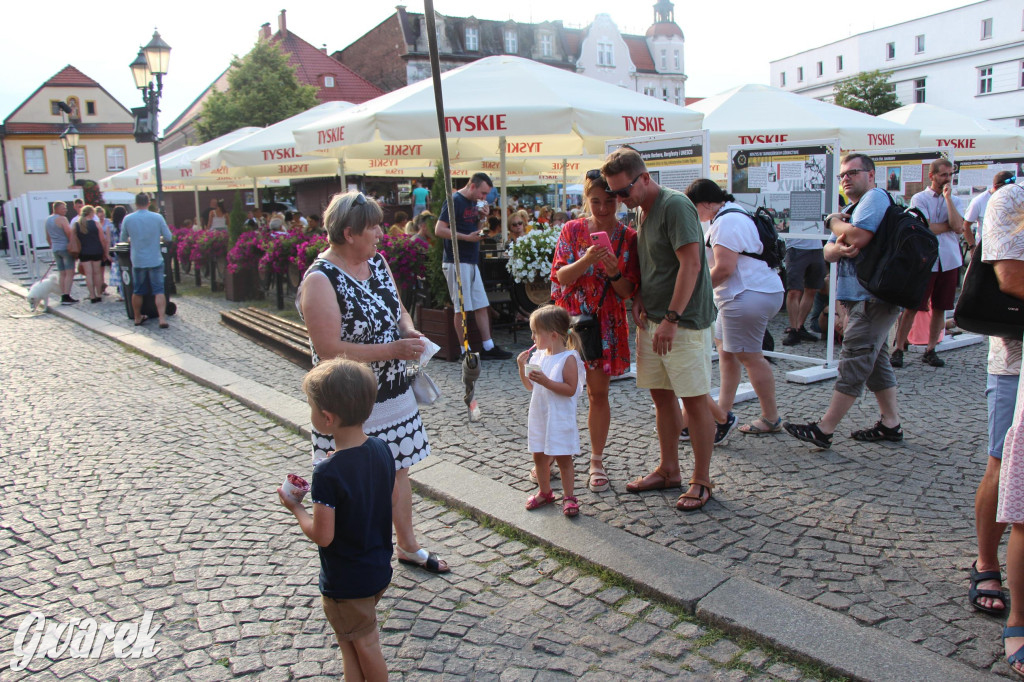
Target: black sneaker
722,431
805,335
792,337
896,359
65,299
495,353
932,358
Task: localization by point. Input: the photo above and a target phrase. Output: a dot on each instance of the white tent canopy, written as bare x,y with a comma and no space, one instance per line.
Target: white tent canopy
946,128
758,114
271,151
129,179
536,110
178,170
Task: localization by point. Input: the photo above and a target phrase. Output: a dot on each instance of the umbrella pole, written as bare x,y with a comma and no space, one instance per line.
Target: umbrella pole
504,191
565,187
471,361
195,193
341,173
255,194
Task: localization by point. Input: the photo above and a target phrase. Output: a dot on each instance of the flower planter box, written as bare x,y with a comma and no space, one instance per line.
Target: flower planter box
242,285
439,326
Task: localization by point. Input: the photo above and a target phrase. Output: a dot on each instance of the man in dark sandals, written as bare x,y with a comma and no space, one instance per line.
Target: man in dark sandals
864,359
673,312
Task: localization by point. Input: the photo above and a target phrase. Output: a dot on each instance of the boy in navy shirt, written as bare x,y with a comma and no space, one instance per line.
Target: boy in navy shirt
353,486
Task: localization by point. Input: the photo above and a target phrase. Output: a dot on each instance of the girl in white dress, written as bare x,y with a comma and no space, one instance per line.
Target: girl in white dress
554,373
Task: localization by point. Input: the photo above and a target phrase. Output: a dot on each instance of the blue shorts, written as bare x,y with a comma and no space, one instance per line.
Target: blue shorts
1001,392
148,280
63,260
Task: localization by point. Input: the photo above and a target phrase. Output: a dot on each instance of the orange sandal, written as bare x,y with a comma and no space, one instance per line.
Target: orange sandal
704,486
638,486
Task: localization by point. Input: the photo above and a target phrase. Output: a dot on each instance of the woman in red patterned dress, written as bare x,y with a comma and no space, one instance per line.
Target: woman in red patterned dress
580,273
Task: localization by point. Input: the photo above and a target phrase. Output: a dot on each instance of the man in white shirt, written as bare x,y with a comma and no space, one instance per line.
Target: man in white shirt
976,209
945,218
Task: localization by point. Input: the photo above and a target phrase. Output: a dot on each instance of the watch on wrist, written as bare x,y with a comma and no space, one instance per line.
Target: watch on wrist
616,278
672,316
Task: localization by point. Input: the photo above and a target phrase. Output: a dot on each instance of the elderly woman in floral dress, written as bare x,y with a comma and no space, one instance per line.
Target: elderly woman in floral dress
587,278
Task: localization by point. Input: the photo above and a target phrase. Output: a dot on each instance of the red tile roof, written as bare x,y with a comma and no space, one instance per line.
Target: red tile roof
58,128
639,53
70,76
311,64
664,28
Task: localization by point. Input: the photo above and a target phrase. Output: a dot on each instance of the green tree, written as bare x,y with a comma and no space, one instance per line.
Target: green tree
869,92
262,89
236,219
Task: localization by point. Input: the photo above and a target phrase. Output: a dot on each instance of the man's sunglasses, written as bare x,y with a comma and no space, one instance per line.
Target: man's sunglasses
624,192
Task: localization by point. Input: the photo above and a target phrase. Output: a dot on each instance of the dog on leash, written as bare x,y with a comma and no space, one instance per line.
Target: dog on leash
41,292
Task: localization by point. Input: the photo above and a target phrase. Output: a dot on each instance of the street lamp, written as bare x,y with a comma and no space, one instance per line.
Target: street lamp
151,62
69,140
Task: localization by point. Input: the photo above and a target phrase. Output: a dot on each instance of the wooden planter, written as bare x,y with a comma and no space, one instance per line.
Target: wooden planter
243,285
439,326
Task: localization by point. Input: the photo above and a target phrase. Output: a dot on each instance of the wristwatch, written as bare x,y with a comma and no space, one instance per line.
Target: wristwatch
672,316
616,278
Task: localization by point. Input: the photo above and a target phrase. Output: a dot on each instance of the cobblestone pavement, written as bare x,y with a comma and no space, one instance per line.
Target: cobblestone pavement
882,532
131,488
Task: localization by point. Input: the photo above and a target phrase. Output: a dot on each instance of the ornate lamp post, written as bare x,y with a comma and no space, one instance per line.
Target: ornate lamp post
149,65
69,140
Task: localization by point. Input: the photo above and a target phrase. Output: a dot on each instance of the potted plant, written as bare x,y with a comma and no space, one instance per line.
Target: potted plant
407,258
529,262
211,246
184,242
241,282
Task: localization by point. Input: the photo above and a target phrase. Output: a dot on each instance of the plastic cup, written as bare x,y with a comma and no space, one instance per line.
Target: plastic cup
295,487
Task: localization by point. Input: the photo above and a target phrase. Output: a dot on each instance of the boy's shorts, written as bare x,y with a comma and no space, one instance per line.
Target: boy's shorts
352,618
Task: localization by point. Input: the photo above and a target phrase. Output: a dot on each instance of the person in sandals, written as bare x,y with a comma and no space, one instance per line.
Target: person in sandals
554,374
864,359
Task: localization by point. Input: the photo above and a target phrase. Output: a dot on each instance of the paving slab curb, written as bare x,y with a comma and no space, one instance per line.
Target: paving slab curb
735,604
808,631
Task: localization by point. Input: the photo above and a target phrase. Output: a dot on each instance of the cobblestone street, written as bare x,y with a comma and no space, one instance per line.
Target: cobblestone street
132,488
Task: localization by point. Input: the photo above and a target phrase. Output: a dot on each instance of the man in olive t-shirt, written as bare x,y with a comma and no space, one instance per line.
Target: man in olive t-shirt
673,311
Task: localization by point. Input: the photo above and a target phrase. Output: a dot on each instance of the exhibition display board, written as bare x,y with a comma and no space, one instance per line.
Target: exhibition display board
904,172
973,174
674,160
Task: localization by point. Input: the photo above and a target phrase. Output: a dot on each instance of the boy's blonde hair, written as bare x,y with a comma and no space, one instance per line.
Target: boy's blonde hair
344,388
551,318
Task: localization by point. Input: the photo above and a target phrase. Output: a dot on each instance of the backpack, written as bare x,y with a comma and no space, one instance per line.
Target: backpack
773,249
896,264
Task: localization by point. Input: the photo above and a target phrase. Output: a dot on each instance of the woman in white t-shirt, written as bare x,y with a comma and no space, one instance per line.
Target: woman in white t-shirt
747,294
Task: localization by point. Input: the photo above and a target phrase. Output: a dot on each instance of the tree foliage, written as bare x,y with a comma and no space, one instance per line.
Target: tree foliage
236,219
262,89
869,92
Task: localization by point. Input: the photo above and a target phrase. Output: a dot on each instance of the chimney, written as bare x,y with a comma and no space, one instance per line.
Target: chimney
264,32
323,48
282,25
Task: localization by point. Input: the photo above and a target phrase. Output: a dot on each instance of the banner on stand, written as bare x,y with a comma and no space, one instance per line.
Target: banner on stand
674,160
973,175
904,172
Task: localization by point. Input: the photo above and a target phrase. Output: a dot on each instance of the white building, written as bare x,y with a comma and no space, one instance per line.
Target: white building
969,59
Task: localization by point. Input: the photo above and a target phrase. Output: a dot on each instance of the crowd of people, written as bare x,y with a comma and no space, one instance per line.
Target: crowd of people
687,291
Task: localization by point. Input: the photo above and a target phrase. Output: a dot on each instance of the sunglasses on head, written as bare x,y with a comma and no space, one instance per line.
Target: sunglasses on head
360,199
594,174
624,192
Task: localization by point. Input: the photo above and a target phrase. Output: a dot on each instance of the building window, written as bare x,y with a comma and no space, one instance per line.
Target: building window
985,80
919,91
511,41
116,157
35,160
782,79
328,81
664,59
676,55
919,44
1022,74
890,51
820,68
986,29
81,165
650,91
472,39
679,95
1020,122
839,63
90,107
55,107
545,44
605,54
799,74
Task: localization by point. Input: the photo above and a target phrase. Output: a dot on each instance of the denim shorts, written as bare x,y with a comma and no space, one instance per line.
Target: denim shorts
1001,392
148,280
63,260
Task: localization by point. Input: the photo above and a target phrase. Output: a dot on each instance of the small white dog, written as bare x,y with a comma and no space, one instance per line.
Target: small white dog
41,292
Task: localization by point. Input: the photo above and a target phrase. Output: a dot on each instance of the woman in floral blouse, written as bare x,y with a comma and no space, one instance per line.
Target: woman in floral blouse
587,278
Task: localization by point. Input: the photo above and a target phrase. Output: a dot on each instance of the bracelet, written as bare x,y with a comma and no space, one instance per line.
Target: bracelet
616,278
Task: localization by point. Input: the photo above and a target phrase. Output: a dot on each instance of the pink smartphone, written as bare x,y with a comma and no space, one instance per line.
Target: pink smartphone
601,239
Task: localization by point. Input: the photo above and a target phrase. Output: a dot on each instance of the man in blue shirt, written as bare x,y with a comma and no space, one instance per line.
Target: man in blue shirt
864,359
143,230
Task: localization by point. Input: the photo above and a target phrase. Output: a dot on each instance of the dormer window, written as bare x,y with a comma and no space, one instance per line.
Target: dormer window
511,41
545,45
328,81
472,39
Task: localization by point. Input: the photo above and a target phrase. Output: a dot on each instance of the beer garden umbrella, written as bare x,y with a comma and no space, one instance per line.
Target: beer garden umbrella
965,134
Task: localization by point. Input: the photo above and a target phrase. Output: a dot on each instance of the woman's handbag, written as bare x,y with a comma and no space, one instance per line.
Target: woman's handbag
588,328
983,308
424,388
74,245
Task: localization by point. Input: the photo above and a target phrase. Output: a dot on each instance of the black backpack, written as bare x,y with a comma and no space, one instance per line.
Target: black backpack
897,263
773,249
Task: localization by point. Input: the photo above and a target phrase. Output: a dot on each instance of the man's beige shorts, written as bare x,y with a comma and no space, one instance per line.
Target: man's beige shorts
352,619
473,294
685,370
